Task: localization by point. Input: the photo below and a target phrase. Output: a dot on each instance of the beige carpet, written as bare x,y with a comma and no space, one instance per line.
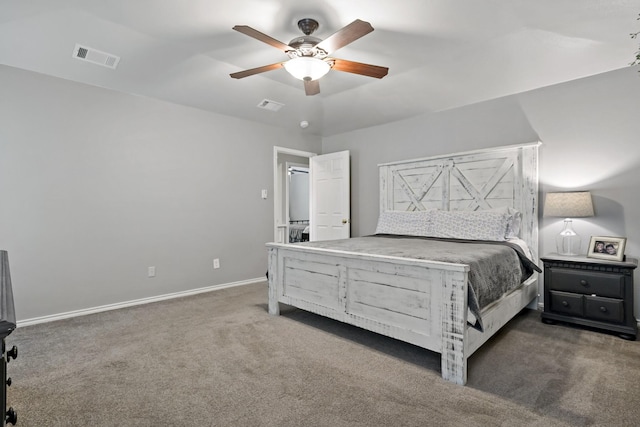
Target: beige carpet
218,359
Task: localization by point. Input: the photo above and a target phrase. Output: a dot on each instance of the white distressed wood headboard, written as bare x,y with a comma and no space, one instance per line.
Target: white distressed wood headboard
482,179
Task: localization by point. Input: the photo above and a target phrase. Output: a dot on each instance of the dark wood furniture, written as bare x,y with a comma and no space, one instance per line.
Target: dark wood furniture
7,325
590,292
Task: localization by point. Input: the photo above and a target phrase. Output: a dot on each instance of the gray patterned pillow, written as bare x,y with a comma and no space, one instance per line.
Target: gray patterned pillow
514,221
476,225
406,223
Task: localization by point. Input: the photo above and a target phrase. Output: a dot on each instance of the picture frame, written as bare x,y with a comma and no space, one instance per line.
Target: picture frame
607,247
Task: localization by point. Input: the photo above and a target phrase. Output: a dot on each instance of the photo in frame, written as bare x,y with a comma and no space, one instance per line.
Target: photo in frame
607,247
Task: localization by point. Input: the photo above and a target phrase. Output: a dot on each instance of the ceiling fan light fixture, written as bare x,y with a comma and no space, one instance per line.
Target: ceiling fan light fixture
307,68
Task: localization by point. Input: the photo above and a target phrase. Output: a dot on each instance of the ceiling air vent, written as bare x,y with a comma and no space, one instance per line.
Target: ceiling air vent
267,104
95,56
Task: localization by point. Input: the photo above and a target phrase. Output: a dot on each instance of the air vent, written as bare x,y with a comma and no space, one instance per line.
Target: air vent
267,104
95,56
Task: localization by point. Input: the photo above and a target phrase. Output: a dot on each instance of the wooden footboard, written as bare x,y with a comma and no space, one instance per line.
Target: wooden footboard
420,302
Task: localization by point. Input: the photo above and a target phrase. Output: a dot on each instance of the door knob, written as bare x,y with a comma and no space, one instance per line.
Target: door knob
345,221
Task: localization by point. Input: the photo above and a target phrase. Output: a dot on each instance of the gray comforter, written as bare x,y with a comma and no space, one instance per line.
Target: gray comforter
495,268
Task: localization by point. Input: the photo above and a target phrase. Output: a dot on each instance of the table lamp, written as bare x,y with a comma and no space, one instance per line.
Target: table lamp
573,204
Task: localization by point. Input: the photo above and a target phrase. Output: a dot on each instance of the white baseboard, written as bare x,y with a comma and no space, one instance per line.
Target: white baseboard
108,307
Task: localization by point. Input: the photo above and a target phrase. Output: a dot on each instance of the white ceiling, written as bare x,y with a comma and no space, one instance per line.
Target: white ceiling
441,54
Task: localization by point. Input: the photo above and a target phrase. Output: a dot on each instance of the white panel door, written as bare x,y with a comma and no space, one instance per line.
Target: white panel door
330,196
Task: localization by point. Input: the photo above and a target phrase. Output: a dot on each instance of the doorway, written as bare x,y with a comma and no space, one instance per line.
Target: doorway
329,194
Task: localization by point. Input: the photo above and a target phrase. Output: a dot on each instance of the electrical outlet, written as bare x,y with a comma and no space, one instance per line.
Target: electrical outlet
216,263
151,272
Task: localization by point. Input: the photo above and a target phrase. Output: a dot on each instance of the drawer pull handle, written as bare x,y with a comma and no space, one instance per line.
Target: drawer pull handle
564,303
603,309
584,282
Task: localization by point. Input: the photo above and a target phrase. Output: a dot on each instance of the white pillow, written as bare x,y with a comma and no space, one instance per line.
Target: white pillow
471,225
515,220
406,223
513,229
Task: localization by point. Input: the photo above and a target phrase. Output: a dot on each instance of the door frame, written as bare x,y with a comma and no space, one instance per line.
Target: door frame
277,187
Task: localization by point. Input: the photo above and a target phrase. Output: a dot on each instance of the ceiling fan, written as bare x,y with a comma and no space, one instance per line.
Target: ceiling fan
309,56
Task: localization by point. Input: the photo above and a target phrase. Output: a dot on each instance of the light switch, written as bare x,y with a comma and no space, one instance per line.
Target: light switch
264,194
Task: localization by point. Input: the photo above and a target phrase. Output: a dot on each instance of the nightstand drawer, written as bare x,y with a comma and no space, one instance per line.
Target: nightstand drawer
607,309
601,284
566,303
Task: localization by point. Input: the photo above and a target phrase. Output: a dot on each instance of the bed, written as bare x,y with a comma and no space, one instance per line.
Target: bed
425,302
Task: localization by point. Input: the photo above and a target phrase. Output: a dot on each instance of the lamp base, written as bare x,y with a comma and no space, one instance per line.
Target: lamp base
568,241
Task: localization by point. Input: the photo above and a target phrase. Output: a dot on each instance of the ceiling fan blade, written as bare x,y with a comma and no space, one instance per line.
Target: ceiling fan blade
346,35
311,87
359,68
244,29
251,72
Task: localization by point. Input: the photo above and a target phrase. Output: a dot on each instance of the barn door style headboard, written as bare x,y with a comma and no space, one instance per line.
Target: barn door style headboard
474,180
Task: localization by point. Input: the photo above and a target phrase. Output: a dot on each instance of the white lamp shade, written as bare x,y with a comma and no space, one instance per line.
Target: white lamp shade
574,204
307,68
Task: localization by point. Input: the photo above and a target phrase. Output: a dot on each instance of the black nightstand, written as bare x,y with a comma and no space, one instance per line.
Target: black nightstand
590,292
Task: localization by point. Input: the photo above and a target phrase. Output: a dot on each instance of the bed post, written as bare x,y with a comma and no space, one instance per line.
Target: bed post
454,322
274,280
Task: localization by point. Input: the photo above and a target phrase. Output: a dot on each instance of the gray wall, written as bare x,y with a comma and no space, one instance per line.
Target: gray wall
98,185
590,130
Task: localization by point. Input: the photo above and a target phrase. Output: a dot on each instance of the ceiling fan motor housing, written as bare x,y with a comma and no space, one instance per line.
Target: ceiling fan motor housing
306,46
